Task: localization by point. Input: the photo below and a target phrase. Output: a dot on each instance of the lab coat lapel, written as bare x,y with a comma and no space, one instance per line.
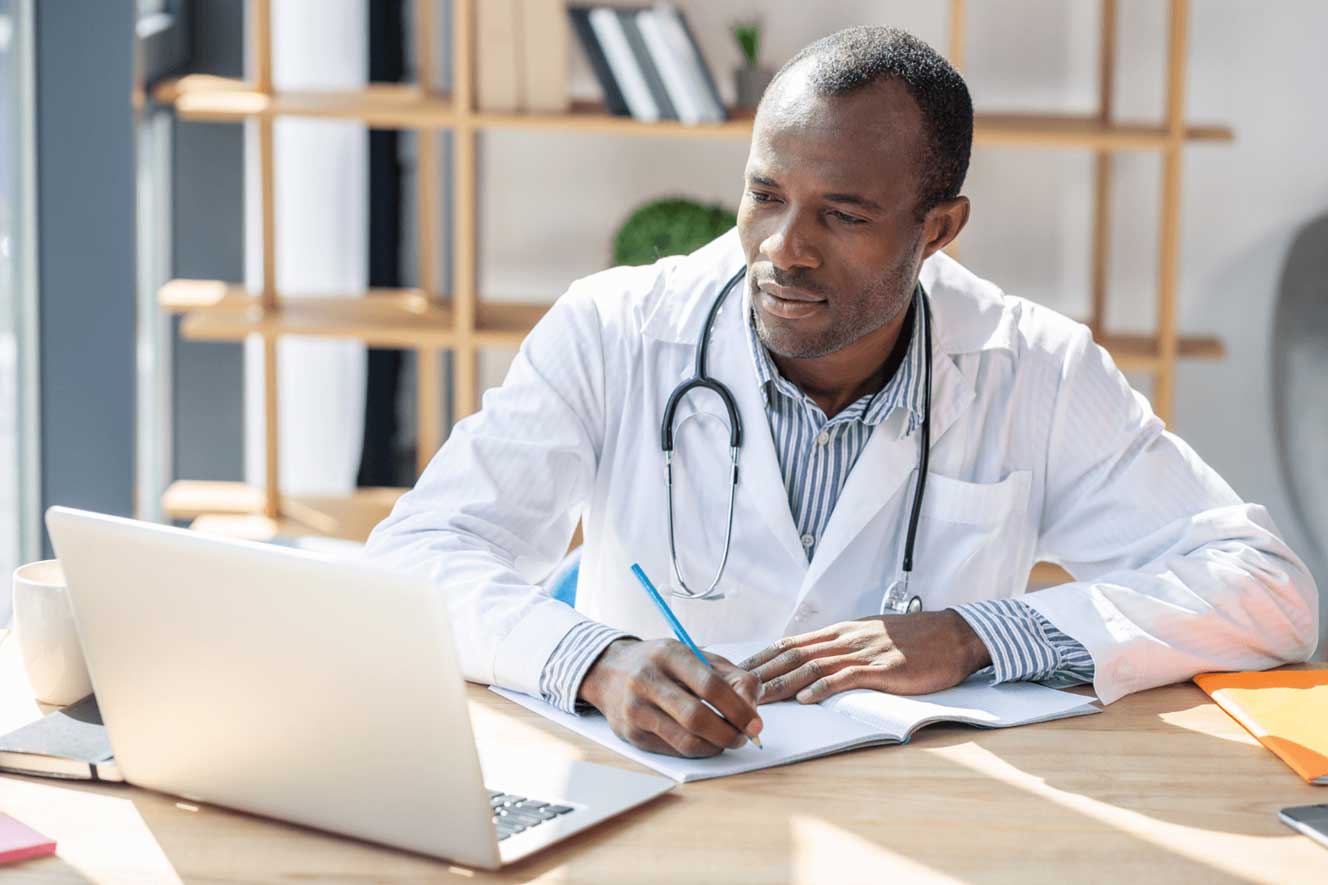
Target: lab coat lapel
760,480
888,459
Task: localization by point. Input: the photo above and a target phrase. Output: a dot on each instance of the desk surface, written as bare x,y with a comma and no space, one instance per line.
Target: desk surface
1163,786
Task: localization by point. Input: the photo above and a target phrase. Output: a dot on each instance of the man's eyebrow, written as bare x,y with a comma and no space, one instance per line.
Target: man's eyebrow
851,199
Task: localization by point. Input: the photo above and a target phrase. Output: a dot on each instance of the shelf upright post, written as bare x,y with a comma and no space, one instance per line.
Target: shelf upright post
957,62
428,382
957,35
465,383
260,12
1102,171
1169,257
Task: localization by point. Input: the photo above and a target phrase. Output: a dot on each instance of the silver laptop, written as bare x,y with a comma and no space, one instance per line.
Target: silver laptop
306,688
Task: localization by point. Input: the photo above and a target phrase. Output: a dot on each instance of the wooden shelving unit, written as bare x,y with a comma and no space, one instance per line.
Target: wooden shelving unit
429,320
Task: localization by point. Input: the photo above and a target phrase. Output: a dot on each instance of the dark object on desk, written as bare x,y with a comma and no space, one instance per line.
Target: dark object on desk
1312,820
70,743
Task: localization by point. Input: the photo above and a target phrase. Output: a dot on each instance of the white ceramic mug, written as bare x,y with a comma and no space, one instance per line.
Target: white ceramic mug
47,639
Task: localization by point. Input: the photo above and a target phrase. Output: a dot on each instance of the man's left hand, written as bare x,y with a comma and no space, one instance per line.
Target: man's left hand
901,654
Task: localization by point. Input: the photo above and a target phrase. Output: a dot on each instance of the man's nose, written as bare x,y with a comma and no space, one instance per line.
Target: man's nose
789,245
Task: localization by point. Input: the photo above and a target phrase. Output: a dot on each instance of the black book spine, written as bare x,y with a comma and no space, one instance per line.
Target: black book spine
613,97
647,64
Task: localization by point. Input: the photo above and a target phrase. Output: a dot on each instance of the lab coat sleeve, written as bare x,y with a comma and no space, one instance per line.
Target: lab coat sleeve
496,507
1174,574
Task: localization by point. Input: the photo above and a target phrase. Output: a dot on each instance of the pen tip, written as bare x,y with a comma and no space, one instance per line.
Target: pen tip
757,741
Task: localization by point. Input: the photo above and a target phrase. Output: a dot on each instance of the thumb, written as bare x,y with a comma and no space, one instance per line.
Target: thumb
745,683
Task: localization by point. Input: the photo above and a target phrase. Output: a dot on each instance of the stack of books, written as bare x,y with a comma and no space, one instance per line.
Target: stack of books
522,49
648,63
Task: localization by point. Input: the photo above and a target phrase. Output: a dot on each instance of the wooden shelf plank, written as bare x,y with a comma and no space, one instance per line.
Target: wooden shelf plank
393,105
590,117
216,311
506,324
378,105
1070,131
1144,353
236,509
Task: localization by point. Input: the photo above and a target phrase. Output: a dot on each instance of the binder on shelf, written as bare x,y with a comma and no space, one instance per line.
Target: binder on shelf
702,69
613,97
608,30
646,63
545,39
672,70
668,26
498,73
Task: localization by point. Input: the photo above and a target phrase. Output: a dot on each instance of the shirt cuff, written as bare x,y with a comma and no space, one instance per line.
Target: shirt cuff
571,659
1024,645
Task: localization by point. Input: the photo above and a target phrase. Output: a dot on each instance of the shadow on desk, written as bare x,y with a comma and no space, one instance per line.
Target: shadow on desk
1162,786
1179,792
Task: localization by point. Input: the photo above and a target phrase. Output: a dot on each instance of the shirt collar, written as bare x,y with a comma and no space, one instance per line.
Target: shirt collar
905,389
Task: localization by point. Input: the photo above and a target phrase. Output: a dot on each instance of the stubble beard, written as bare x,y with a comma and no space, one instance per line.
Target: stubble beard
852,318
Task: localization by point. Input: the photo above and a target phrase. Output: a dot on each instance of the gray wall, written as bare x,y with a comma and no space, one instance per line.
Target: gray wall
85,252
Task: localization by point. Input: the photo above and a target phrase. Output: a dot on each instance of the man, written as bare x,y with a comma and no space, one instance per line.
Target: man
1038,450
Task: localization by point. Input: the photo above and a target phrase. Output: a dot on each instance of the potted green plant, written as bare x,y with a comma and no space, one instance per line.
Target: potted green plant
751,78
671,226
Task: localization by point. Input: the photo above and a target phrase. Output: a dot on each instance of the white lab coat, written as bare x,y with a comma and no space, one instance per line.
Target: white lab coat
1040,451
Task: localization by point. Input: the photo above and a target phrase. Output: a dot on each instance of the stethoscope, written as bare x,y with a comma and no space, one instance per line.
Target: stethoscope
896,599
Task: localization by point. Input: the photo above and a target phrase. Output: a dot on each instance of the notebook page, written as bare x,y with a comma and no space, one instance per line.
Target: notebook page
975,702
793,732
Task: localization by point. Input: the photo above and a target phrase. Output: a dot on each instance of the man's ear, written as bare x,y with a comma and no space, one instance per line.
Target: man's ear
943,223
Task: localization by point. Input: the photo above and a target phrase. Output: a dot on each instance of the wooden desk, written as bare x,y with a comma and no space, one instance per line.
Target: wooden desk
1163,786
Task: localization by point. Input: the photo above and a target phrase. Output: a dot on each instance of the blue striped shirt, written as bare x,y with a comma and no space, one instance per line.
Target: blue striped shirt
816,455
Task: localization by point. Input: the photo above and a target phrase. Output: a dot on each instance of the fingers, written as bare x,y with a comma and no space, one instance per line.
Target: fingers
714,689
695,718
744,682
788,642
782,687
844,679
655,730
791,659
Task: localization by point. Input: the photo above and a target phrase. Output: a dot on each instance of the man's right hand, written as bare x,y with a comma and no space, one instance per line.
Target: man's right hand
652,691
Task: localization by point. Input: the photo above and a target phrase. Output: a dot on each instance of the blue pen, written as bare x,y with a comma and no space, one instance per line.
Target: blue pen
678,631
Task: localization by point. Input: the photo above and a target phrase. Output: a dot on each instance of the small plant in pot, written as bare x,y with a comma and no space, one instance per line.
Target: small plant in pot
751,78
670,226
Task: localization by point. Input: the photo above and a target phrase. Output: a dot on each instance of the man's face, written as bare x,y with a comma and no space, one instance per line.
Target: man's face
827,218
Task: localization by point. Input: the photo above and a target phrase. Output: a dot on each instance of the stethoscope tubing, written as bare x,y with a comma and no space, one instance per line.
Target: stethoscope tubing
701,380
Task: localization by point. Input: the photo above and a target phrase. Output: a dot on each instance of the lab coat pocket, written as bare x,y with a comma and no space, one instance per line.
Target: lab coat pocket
969,537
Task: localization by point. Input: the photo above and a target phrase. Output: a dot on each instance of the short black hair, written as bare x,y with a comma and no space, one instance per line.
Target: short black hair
853,58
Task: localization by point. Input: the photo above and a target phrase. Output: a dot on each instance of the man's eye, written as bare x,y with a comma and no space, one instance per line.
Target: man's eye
759,197
847,219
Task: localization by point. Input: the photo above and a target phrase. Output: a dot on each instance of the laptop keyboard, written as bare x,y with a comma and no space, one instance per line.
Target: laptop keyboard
515,814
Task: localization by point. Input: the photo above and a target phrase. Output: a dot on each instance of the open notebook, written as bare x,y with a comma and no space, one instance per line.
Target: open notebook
795,732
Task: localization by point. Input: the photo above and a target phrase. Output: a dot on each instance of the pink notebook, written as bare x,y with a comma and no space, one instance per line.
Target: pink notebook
18,841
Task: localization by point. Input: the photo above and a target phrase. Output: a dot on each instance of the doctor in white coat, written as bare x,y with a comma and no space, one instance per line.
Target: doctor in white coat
1038,450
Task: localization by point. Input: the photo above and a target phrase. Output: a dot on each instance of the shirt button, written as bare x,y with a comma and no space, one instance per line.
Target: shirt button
808,540
823,438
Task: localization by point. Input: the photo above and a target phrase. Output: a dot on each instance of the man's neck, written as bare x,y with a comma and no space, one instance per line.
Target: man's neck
837,380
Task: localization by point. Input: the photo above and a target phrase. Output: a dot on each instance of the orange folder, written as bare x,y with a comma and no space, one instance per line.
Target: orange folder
1287,710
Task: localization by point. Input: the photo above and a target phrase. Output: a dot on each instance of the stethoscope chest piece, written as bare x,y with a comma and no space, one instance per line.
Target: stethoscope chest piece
898,601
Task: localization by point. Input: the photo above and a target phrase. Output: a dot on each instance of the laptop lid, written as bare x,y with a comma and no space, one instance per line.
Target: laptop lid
279,682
